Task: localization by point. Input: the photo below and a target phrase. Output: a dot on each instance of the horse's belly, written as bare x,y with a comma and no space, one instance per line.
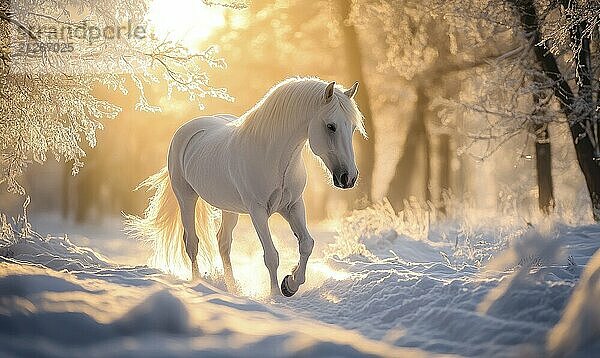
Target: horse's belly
222,196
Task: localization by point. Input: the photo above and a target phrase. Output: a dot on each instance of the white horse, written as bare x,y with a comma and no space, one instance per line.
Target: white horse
251,165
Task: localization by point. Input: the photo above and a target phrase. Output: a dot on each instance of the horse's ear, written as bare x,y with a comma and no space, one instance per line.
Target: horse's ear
328,94
352,91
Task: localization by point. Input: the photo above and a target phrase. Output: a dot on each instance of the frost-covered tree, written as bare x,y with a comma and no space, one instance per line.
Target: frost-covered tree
55,54
420,50
554,65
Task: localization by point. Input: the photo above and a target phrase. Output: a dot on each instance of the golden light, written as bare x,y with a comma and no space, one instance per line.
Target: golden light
186,21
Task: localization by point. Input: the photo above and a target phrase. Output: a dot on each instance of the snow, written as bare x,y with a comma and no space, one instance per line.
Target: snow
580,324
378,284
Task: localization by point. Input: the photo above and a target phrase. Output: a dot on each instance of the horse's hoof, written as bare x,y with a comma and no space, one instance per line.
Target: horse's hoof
285,289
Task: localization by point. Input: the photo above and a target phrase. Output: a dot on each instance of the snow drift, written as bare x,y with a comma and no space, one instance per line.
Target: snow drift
384,285
60,300
579,328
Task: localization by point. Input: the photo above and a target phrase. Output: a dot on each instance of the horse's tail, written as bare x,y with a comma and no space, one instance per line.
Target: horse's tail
161,226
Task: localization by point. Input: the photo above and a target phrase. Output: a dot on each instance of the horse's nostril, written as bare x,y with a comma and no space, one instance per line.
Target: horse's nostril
336,181
344,179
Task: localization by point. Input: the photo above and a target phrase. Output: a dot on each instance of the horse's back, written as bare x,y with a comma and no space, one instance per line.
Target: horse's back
205,123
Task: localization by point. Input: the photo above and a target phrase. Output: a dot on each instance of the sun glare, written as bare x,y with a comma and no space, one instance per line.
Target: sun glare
187,21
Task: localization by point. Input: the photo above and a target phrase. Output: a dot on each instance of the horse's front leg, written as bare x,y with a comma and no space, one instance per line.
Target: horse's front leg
296,217
260,220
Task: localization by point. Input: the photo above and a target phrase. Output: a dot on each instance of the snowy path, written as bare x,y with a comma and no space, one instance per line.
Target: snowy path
377,293
430,304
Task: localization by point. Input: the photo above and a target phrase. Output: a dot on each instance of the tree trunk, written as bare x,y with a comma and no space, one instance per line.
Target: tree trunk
365,148
445,159
65,197
417,139
591,171
587,155
543,161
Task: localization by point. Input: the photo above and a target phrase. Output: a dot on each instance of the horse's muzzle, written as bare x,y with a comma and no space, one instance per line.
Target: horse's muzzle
342,179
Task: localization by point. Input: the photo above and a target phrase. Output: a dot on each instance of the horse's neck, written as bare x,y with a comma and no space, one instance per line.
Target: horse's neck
287,148
281,150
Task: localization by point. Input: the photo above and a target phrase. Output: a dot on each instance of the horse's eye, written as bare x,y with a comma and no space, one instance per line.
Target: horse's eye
331,127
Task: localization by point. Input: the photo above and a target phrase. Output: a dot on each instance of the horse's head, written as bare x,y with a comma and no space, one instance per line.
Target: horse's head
330,134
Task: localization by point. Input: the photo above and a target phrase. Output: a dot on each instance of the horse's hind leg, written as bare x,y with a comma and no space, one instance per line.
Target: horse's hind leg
225,237
187,198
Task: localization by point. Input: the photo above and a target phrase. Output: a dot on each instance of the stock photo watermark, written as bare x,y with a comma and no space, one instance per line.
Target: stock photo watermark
59,38
81,47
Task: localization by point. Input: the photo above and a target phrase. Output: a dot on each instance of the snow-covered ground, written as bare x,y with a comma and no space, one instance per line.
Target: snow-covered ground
377,285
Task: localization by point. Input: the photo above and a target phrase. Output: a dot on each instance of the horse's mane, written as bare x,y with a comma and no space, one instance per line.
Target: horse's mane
292,101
